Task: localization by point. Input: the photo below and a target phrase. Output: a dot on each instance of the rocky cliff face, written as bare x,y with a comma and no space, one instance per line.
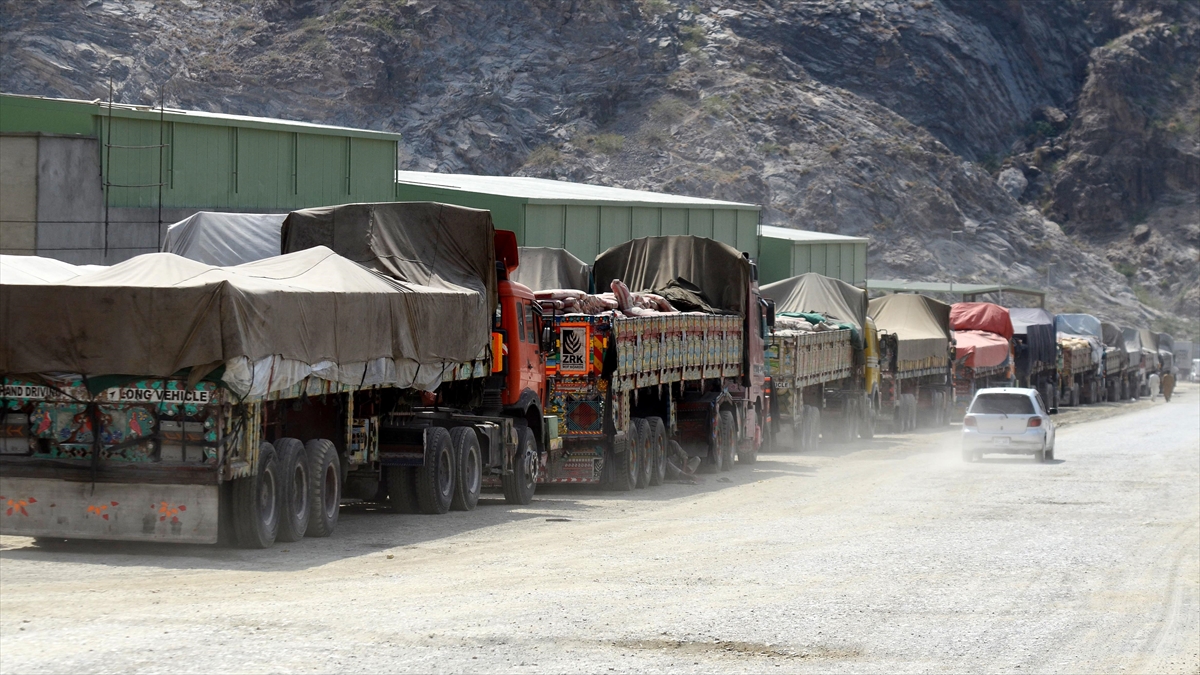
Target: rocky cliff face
914,122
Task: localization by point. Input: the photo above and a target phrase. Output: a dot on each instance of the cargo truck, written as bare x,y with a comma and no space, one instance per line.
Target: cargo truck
1081,358
822,361
983,334
1035,349
916,359
1120,379
1183,358
261,393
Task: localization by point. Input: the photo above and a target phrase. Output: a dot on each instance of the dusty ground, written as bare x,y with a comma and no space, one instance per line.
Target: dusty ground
892,555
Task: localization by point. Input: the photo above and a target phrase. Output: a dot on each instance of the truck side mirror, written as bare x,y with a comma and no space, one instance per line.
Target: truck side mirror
547,339
769,305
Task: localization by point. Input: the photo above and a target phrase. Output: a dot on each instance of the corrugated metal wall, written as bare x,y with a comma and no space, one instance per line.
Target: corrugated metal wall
783,258
586,231
209,166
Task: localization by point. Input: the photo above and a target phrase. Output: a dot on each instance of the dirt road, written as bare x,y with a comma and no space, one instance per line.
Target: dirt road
891,555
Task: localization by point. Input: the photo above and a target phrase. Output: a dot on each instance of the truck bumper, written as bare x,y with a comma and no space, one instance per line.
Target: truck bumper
42,507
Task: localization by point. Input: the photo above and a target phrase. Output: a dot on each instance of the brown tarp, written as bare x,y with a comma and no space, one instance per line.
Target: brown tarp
158,313
544,269
814,292
650,263
1115,339
438,246
921,325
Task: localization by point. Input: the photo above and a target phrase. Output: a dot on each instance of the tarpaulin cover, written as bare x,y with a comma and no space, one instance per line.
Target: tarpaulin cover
650,263
32,269
1078,324
1114,339
158,313
225,239
1166,350
980,349
1037,325
983,316
1084,326
438,246
921,325
544,269
814,292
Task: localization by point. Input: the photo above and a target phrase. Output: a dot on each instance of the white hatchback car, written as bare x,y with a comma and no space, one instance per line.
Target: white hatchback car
1007,420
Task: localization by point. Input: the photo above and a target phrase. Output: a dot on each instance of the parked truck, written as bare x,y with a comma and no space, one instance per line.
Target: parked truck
1120,378
1142,348
260,393
916,359
1035,349
983,334
1081,358
1183,358
822,360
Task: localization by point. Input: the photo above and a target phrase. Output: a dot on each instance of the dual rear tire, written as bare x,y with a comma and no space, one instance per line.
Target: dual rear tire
296,492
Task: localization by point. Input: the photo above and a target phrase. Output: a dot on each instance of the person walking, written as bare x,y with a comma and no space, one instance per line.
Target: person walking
1153,386
1168,385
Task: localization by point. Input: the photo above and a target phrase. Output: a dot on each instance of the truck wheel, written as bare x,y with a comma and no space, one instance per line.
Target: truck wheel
624,464
401,489
866,426
293,489
751,456
469,477
644,460
812,421
324,487
715,460
256,502
727,438
658,451
1075,392
435,479
520,484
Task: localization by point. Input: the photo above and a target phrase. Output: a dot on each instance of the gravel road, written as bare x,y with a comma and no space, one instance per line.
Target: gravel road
889,555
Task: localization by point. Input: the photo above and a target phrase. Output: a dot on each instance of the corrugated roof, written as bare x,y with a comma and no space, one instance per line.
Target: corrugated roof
98,107
544,191
807,236
896,286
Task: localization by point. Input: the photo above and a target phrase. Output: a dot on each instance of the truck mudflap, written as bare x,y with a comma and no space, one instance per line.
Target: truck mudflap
41,507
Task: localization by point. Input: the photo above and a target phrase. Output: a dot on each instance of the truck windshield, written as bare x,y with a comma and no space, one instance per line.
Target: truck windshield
1002,404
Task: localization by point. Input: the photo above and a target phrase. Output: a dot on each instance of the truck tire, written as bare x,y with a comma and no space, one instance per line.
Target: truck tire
435,479
658,451
293,489
812,424
324,487
624,463
256,502
866,426
727,438
644,467
751,456
715,460
468,479
401,489
521,483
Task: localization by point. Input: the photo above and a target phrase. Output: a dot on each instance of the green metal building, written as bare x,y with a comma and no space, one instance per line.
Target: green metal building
69,169
584,219
784,252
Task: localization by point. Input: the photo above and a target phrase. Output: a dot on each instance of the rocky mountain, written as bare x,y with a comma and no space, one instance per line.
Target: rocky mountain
988,140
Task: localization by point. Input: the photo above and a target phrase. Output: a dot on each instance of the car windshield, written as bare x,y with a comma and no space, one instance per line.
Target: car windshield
1002,404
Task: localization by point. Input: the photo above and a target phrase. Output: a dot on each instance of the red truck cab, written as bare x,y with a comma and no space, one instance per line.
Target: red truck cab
523,361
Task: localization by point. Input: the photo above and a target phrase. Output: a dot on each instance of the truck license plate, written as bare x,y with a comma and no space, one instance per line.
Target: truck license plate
1001,440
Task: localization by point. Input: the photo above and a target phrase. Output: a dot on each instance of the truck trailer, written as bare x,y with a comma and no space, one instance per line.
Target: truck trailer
1081,358
983,334
916,360
1035,349
184,402
822,360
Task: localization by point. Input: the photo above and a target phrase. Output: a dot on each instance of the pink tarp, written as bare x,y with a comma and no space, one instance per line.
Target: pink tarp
981,316
982,349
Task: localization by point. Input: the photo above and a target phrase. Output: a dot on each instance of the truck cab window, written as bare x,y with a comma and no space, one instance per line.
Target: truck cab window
531,334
